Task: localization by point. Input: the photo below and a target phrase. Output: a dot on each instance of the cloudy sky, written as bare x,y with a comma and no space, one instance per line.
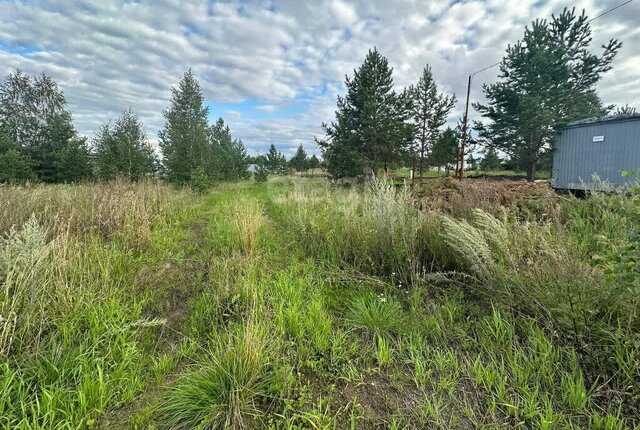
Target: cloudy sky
272,69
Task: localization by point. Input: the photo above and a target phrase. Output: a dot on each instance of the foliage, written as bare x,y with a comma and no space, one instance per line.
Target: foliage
491,160
444,150
33,113
230,161
547,79
370,127
471,162
314,163
299,161
14,168
73,163
184,138
275,162
122,149
199,181
429,111
625,110
261,174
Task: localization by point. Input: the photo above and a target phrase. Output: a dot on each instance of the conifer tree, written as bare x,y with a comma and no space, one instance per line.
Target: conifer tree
443,153
547,79
314,162
491,160
122,149
370,129
74,161
184,138
276,162
299,161
429,111
230,160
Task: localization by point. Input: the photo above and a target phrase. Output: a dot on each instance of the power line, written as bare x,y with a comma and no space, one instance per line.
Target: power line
460,154
610,10
592,19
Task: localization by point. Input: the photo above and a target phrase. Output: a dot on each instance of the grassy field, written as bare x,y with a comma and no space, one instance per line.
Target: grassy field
295,305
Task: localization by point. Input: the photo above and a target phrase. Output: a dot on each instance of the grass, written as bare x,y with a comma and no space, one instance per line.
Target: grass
295,305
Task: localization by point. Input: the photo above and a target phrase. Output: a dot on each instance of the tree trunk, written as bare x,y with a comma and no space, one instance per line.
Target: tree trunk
531,171
421,159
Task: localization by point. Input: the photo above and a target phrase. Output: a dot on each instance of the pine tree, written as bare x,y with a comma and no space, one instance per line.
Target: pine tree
443,153
122,149
547,79
74,161
429,111
314,162
230,160
299,161
370,128
261,174
491,160
276,162
184,138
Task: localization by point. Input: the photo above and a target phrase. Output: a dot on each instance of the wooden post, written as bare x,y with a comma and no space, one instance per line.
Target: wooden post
460,157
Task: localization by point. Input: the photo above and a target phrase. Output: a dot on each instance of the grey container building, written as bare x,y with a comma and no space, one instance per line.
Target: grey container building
606,148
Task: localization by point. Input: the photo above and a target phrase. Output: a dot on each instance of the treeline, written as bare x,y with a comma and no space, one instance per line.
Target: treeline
38,141
547,79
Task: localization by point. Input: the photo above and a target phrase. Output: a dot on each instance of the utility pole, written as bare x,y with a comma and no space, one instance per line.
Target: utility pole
463,141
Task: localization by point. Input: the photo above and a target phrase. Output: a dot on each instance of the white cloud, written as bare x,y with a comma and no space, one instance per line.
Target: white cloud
344,13
111,55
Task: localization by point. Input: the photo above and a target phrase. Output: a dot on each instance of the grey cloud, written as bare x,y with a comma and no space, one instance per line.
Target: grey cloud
109,55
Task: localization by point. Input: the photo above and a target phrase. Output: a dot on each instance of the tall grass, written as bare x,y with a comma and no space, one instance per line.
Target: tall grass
292,304
115,209
226,390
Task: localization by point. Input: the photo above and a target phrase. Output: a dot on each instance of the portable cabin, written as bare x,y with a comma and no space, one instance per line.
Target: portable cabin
599,153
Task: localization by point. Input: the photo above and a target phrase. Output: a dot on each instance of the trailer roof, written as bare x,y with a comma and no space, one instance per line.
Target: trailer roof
602,119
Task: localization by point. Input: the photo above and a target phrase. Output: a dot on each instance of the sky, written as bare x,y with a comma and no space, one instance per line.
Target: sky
273,69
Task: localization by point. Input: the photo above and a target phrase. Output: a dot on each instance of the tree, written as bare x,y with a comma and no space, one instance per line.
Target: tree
472,163
33,113
299,161
547,79
625,110
443,153
230,160
491,160
276,162
14,168
74,161
429,111
122,149
184,138
314,163
261,174
370,127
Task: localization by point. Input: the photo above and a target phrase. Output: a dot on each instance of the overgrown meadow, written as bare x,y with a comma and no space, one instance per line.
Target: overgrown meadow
295,304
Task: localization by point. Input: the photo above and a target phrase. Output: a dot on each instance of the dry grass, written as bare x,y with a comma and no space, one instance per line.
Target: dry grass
246,219
116,209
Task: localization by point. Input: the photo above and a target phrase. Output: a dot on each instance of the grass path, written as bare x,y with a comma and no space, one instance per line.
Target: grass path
281,306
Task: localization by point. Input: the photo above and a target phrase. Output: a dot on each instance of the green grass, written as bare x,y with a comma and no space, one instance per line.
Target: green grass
295,305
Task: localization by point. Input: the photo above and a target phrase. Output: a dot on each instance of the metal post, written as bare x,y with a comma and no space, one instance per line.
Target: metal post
460,157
